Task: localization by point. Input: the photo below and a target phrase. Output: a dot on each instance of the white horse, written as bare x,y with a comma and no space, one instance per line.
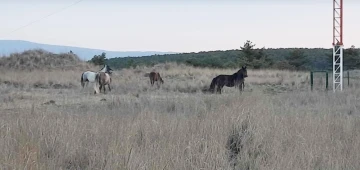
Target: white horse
89,76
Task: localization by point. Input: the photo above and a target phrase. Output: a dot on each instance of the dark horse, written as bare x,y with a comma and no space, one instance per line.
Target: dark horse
155,76
236,79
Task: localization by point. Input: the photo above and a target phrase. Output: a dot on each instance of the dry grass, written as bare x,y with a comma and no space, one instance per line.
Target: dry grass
277,122
39,59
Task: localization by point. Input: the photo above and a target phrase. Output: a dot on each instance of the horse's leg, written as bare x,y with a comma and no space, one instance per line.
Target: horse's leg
218,89
240,86
220,86
109,83
104,87
100,88
96,88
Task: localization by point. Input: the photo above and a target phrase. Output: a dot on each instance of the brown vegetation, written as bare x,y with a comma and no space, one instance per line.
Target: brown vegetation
39,59
276,123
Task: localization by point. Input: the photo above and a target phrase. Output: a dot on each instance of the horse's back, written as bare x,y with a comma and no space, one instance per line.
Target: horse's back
221,77
224,80
152,74
104,77
89,75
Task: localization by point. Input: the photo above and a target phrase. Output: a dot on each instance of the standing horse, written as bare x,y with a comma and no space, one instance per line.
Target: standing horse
102,79
89,76
236,79
155,76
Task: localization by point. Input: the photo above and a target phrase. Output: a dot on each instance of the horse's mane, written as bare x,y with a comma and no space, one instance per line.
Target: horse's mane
233,76
103,67
107,69
241,72
236,74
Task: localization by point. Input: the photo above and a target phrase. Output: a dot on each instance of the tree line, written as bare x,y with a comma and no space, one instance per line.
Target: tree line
247,54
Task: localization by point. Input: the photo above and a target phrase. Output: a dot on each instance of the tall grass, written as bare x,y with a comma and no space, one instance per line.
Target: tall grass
176,126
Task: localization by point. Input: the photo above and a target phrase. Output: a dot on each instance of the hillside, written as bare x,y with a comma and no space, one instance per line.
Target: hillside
11,46
221,59
39,59
281,58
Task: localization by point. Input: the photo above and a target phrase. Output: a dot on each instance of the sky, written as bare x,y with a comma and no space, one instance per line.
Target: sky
178,25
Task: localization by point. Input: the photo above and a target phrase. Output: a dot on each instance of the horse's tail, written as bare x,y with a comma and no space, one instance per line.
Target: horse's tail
212,85
147,75
97,78
97,81
82,80
161,80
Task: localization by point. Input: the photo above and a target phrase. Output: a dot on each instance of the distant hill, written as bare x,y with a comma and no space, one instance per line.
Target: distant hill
10,46
317,59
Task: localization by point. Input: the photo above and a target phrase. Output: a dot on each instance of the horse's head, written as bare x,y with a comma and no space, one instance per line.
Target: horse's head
161,80
108,69
243,71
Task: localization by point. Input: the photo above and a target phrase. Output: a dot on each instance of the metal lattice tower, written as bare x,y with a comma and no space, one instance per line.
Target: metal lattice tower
338,45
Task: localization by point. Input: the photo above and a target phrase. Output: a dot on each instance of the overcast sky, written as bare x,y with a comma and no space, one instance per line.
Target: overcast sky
179,26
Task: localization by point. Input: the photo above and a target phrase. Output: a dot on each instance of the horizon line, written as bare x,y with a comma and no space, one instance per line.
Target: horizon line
199,51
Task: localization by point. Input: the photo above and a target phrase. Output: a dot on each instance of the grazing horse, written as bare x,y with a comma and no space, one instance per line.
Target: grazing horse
102,79
89,76
155,76
236,79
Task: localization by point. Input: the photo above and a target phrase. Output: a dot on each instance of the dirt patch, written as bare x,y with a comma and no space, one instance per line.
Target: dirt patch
51,102
51,85
14,84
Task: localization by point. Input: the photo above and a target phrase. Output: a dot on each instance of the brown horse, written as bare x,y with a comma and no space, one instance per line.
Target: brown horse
155,76
102,79
237,79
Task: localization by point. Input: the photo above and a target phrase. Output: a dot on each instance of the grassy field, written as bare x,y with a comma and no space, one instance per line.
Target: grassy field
48,122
